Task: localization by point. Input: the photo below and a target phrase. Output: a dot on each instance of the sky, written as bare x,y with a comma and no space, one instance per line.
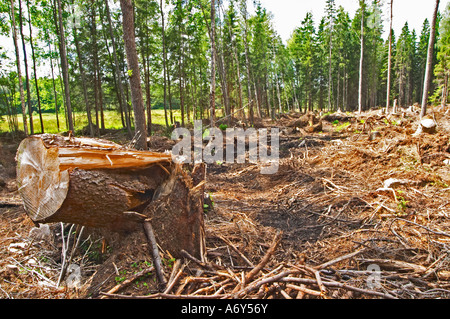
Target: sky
288,14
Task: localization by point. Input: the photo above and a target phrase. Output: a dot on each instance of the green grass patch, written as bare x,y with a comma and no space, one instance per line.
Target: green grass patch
112,121
342,127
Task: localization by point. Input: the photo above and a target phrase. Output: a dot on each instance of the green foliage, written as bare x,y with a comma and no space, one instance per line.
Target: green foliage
320,59
168,262
342,127
402,203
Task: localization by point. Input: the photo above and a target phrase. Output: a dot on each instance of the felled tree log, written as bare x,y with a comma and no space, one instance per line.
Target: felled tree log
100,184
188,201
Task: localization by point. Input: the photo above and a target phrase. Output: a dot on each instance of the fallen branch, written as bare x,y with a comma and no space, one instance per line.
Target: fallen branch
155,252
208,266
166,296
305,290
339,259
335,284
396,264
316,274
175,276
426,228
248,262
257,284
65,249
265,259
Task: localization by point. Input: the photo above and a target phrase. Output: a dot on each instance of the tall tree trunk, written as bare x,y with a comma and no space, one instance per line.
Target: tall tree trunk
134,74
122,101
344,87
25,60
361,61
280,108
258,105
223,72
180,72
212,95
164,61
54,87
238,75
64,66
226,96
97,71
10,113
286,99
35,68
96,98
330,67
429,69
61,84
116,84
146,61
83,78
338,88
169,91
267,95
189,97
241,111
147,92
247,61
198,108
181,90
19,71
388,94
58,61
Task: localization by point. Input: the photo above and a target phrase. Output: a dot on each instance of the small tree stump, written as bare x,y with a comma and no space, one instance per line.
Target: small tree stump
428,126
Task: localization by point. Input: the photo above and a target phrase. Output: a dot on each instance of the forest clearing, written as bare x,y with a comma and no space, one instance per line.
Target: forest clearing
135,152
339,203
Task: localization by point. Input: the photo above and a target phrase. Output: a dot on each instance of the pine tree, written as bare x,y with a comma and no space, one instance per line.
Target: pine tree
442,69
330,12
429,68
302,46
403,65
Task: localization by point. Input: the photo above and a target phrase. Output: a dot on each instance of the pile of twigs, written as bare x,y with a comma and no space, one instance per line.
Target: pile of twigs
194,279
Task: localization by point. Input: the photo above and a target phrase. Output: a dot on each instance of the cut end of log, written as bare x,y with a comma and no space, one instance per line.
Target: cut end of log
41,184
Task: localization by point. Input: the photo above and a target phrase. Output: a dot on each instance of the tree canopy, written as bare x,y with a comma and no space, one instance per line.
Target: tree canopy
74,59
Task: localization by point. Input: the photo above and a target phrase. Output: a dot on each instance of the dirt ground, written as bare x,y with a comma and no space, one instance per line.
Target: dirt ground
344,204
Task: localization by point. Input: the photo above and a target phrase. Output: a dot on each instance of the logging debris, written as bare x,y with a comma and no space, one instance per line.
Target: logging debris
324,204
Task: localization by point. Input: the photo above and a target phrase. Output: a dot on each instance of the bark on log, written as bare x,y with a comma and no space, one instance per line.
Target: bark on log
180,230
100,184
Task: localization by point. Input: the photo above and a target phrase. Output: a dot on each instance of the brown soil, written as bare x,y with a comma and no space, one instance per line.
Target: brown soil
327,200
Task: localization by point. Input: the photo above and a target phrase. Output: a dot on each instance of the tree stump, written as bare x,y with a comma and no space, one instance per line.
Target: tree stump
100,184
